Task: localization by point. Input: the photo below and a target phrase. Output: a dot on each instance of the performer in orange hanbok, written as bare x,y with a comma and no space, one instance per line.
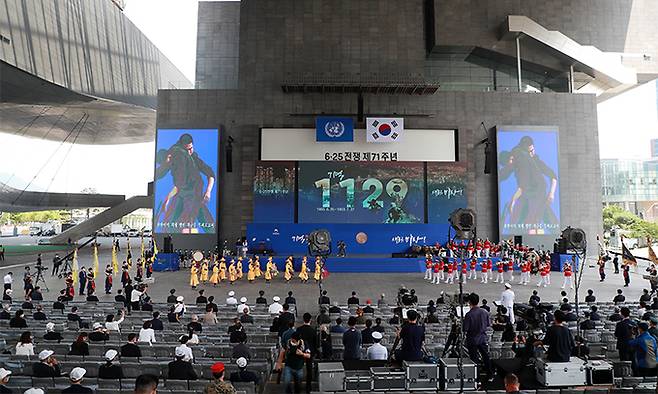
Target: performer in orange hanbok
290,271
257,270
303,272
222,269
204,271
214,279
268,272
317,274
232,272
251,274
238,268
194,278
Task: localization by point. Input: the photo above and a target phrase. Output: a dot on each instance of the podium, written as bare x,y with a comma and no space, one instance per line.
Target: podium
558,260
166,262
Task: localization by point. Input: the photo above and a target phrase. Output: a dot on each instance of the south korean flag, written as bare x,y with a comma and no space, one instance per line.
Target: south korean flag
384,129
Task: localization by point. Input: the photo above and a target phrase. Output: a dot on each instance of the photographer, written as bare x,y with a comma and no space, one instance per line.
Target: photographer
559,341
412,336
475,326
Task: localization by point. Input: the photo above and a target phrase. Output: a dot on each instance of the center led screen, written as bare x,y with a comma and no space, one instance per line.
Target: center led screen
354,192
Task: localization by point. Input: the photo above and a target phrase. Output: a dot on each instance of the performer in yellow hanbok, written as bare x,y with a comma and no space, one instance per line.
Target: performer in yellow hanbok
194,279
204,271
251,274
257,269
274,271
317,274
290,271
222,269
268,272
232,272
303,272
214,279
238,268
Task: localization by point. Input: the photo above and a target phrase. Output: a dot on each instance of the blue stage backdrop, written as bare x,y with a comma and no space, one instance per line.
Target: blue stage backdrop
363,239
274,192
186,181
528,181
356,192
446,190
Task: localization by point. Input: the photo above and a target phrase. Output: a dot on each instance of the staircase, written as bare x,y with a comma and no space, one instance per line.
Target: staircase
101,220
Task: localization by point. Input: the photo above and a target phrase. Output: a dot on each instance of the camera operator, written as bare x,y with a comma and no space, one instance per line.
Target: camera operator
501,320
559,340
475,326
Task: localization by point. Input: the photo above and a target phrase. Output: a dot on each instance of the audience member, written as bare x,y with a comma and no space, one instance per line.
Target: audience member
50,334
24,346
146,384
109,370
241,349
624,333
47,367
217,384
39,314
76,386
243,375
131,349
377,351
179,369
146,333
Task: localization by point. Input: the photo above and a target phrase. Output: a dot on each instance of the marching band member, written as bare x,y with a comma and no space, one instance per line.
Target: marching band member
491,268
478,248
435,273
238,268
214,278
442,274
194,278
487,248
222,269
525,267
567,270
290,271
469,249
464,271
232,272
510,269
317,274
544,273
251,274
303,272
428,268
500,267
108,279
204,271
547,268
485,268
473,272
257,271
451,268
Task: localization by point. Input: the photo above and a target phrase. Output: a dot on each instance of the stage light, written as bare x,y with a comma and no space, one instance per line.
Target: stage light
575,238
462,221
319,243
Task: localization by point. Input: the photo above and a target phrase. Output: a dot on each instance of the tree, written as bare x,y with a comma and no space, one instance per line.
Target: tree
614,215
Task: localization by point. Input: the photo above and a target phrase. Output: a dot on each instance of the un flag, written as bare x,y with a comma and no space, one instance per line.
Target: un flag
334,129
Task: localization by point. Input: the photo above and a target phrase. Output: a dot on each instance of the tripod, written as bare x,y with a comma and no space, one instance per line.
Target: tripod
66,269
39,278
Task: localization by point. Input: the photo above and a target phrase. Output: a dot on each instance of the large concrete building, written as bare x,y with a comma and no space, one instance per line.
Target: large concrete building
440,64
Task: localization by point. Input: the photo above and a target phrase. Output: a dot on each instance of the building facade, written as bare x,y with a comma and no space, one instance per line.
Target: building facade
631,184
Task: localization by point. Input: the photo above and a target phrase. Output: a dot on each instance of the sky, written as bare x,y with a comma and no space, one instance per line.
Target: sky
626,122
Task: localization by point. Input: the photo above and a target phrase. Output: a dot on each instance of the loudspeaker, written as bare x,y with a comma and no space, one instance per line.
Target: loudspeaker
518,240
575,237
168,245
319,243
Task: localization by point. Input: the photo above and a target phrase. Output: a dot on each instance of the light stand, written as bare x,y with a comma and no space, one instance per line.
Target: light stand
577,282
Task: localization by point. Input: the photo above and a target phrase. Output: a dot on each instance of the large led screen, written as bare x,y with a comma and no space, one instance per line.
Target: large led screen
274,192
186,181
361,192
528,181
446,190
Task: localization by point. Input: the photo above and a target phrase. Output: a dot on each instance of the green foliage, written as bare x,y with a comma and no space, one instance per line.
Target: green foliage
616,216
39,216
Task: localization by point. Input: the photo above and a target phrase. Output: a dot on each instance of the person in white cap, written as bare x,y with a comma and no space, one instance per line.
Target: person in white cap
507,300
231,300
47,367
4,379
180,369
109,370
377,351
183,349
243,304
243,375
34,390
275,307
50,334
76,386
180,308
7,296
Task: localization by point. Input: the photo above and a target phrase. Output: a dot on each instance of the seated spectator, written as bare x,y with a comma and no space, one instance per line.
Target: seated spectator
368,308
147,306
73,316
275,307
27,304
351,341
210,317
594,314
38,314
171,298
18,321
231,300
184,349
512,384
381,302
194,339
642,310
338,327
172,316
378,325
50,334
261,300
619,298
76,386
581,349
47,367
146,384
156,323
111,324
246,317
430,307
366,333
91,296
501,319
217,384
131,349
645,297
80,347
377,351
290,300
211,303
179,369
534,299
109,370
4,381
235,330
24,346
194,325
587,324
146,333
201,299
323,318
36,294
353,300
7,295
360,319
590,298
326,347
485,305
243,375
241,349
324,299
180,308
616,316
508,333
120,297
645,349
334,308
243,304
431,318
99,333
654,304
394,320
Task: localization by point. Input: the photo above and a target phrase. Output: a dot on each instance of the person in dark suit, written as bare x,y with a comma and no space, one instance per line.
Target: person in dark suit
109,370
18,321
354,300
246,317
47,367
290,299
76,386
619,298
73,316
80,347
323,299
156,323
366,333
260,299
131,349
624,333
201,299
181,370
211,304
120,297
4,314
51,335
284,318
99,334
171,299
352,341
243,375
36,294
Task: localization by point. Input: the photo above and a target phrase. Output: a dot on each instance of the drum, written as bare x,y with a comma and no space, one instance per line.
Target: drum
197,256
